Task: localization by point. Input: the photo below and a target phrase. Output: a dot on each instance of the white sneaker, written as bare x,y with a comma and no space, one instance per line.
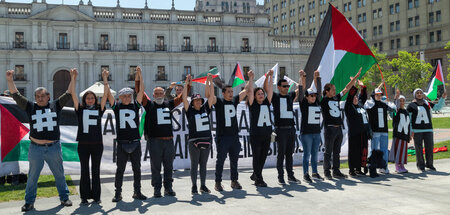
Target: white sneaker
386,171
382,171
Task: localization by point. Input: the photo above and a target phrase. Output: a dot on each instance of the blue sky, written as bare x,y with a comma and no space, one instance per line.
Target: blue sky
157,4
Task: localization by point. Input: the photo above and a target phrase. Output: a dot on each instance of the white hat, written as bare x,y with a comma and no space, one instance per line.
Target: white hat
126,91
415,91
378,91
401,97
310,91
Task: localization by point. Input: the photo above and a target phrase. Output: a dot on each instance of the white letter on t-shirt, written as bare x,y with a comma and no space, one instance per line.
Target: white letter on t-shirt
230,112
87,121
264,116
127,116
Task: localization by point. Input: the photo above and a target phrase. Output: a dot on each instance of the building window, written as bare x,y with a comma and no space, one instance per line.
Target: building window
132,73
438,16
431,37
397,8
438,36
104,42
380,30
431,17
374,14
246,69
359,3
380,13
417,20
212,47
19,42
186,47
380,46
132,43
391,9
245,45
103,68
411,40
161,74
410,22
398,43
349,6
417,40
160,46
63,42
416,3
375,31
410,4
392,27
19,73
397,25
392,44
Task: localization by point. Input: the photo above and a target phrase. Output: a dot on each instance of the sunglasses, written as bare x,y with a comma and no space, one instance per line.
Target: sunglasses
285,86
312,95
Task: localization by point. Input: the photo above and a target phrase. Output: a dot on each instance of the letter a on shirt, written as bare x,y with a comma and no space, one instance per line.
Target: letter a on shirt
284,112
422,116
264,116
127,116
163,116
230,112
87,121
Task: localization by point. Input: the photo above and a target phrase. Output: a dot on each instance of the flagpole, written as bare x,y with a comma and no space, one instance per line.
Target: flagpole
384,82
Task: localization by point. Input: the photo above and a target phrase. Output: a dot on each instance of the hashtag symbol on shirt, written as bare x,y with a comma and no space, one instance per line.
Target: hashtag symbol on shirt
49,123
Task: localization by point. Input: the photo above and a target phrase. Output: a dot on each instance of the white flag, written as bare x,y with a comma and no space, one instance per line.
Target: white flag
260,81
292,84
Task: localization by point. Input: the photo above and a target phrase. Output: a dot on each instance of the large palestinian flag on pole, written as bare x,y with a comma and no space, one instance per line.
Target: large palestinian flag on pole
437,81
339,51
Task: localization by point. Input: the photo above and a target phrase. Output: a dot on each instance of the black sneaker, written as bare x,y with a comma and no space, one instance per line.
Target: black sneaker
352,174
253,177
235,185
293,179
328,175
338,174
157,192
117,197
261,183
84,202
218,187
97,201
27,207
169,192
281,181
66,203
194,190
204,189
431,168
307,179
317,176
139,196
422,169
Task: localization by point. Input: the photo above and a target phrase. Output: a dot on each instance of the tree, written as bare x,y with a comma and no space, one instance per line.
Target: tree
372,78
409,72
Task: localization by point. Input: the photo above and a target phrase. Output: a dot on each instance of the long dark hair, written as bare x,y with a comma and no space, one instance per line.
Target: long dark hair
83,100
327,88
254,94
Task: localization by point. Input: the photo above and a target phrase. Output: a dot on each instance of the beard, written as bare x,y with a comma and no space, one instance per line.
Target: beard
159,101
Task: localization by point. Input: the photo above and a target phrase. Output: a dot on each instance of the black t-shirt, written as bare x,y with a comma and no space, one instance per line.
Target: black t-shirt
331,110
356,115
400,125
310,117
44,121
226,116
378,116
159,118
421,115
127,120
283,109
198,121
260,123
89,124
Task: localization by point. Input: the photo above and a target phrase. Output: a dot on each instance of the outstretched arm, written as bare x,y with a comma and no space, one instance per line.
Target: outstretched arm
185,93
140,94
244,92
250,94
73,75
106,90
351,83
268,85
299,92
11,85
212,99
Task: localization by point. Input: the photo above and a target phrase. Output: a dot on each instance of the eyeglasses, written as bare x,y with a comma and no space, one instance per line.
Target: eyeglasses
312,95
285,86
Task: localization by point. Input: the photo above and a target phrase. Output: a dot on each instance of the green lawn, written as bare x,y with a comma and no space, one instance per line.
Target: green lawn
46,188
412,159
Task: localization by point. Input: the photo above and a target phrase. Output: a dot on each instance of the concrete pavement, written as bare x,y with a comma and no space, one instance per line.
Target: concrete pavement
411,193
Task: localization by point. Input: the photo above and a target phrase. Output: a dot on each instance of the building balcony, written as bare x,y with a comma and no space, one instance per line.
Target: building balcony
19,45
104,46
160,48
20,77
133,47
60,45
161,77
213,49
246,49
186,48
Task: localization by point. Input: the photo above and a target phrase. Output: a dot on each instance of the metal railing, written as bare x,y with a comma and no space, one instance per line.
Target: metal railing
19,45
60,45
185,48
161,77
160,47
104,46
246,49
133,47
213,49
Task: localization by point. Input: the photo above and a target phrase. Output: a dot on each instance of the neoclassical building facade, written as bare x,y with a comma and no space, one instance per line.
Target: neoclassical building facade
43,41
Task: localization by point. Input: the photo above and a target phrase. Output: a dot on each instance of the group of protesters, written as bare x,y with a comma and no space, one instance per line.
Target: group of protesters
367,119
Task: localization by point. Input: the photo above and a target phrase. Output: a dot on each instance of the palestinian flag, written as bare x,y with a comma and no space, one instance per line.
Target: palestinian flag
437,81
201,78
237,78
14,133
292,84
339,51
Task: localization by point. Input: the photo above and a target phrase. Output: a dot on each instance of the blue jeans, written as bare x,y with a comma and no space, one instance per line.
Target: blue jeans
380,142
52,155
311,143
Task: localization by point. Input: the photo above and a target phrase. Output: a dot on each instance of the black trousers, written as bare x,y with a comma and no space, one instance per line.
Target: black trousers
260,148
357,151
162,152
93,152
286,145
199,157
122,159
427,139
333,141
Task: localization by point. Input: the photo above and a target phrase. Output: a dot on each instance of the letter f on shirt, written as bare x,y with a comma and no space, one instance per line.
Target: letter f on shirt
230,112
